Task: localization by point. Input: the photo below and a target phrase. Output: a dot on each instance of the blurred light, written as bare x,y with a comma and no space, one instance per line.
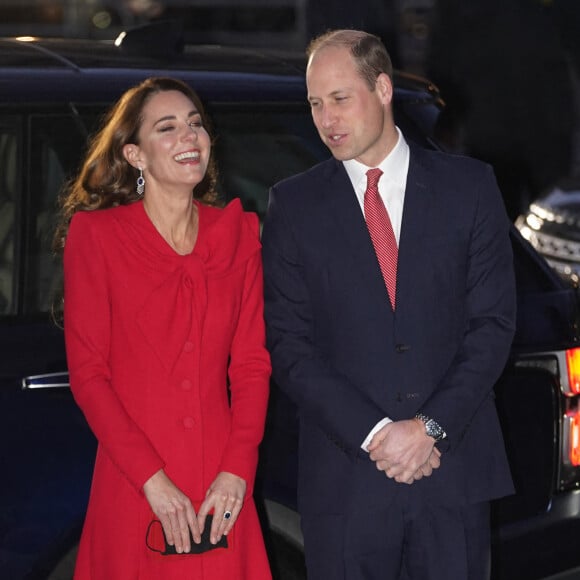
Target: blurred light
575,439
573,364
534,221
102,19
542,212
26,38
526,232
120,38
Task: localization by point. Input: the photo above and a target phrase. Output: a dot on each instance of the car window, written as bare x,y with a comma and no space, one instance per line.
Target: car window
55,144
8,187
36,154
258,146
417,120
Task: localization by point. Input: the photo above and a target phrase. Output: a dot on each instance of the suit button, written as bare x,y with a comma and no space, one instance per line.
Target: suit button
188,422
401,348
188,346
186,384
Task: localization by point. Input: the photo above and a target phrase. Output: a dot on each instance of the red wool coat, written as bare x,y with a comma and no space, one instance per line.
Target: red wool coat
153,339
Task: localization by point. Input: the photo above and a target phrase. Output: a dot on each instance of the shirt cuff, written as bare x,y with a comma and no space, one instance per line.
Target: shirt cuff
376,428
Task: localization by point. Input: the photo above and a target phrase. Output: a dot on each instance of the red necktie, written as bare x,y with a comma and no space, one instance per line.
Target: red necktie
381,231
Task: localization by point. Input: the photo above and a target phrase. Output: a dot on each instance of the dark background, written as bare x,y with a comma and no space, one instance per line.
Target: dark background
508,70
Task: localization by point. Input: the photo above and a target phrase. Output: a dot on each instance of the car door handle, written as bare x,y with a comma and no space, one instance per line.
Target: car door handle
46,381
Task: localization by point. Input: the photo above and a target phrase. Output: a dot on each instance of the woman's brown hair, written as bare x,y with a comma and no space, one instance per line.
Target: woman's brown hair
106,179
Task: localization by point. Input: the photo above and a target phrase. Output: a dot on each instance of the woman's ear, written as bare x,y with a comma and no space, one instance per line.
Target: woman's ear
131,153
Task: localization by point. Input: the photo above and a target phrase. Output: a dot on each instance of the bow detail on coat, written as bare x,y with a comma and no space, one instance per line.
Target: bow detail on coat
172,316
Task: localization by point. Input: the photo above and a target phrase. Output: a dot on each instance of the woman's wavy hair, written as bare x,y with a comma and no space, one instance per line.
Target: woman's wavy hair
106,179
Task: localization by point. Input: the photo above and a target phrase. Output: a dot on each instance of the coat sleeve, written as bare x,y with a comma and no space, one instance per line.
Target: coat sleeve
249,374
321,392
87,322
490,307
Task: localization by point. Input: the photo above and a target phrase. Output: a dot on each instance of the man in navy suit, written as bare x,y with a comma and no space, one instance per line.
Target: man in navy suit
389,344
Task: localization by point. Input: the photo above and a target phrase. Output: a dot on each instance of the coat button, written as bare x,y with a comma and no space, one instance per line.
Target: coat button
188,346
401,348
188,422
186,384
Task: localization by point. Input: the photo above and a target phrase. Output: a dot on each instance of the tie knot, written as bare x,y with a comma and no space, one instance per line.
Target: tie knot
373,176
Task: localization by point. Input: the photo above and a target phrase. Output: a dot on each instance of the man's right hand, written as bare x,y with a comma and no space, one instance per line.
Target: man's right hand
174,510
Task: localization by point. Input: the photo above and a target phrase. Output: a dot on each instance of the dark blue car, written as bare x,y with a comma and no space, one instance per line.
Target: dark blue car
52,94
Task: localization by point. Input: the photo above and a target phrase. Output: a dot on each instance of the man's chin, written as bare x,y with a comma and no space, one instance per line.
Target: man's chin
340,155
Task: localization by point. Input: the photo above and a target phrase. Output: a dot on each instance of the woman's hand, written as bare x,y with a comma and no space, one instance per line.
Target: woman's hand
174,511
225,496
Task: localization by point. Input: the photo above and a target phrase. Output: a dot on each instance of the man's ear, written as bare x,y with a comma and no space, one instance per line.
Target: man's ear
132,154
384,87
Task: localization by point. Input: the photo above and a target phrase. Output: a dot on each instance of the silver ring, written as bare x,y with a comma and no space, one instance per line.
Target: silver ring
227,515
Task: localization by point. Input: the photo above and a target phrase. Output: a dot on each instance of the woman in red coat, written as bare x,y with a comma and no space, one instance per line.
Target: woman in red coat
165,345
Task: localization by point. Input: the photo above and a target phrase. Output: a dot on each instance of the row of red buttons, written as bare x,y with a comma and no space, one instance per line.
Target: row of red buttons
188,422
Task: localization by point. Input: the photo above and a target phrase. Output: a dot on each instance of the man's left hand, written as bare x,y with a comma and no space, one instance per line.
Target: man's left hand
402,449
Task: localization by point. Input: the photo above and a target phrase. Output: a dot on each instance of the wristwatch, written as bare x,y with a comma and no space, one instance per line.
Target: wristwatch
432,428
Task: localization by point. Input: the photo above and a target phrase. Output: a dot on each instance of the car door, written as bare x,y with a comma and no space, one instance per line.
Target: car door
47,448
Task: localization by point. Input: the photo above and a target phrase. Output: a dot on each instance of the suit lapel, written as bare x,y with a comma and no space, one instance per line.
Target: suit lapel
416,213
345,210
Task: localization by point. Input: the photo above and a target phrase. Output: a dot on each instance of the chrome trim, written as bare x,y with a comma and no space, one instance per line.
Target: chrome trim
570,413
564,382
285,522
46,381
550,246
568,475
558,368
567,420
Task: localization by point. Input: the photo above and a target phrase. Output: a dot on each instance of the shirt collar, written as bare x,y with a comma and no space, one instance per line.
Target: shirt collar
394,165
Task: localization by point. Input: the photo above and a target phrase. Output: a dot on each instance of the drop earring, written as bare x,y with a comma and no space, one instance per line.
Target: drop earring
140,183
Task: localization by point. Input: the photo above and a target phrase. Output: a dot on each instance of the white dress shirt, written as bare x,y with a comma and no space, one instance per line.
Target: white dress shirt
395,167
392,184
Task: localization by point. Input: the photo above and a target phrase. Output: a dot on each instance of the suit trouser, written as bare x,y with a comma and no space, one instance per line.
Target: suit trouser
403,542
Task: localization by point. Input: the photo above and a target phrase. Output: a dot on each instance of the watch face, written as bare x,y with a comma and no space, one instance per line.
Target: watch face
434,430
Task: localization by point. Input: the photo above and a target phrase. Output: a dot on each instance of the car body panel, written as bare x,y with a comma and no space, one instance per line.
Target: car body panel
52,94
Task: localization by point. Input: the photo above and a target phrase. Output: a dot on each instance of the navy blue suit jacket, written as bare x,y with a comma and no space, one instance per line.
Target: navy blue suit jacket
347,360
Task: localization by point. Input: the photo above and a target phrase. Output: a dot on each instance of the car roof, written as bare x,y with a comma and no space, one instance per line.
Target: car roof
36,69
